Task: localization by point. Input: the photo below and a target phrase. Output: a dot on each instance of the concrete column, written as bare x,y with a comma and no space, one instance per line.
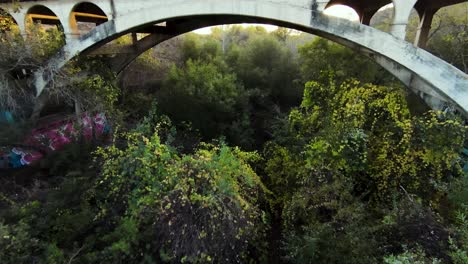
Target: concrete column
316,5
71,31
401,12
63,14
113,9
424,28
20,19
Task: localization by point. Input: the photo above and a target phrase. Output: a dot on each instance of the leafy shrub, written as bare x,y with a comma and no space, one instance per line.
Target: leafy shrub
415,256
194,208
350,156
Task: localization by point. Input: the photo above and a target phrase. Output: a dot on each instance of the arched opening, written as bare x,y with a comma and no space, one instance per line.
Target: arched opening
40,14
342,11
86,16
364,11
382,20
8,25
44,30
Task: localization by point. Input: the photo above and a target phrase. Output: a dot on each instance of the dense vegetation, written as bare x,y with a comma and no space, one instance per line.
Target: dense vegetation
243,146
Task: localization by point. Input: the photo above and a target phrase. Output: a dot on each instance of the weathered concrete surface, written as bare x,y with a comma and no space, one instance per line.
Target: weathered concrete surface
416,68
63,10
401,12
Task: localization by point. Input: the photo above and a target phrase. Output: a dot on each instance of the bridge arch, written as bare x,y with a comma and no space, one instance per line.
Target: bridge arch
42,14
415,67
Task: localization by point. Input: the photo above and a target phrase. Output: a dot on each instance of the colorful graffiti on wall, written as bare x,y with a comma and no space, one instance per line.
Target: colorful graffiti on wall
53,136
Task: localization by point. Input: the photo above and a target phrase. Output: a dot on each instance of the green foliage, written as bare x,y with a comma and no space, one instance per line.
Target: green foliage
16,243
147,203
458,196
49,40
321,56
207,96
347,157
258,74
366,130
189,206
266,65
449,38
282,170
193,48
323,223
54,254
348,176
7,23
85,82
51,229
96,92
416,256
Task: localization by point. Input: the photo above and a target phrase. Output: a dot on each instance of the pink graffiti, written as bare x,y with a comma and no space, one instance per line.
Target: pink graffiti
54,136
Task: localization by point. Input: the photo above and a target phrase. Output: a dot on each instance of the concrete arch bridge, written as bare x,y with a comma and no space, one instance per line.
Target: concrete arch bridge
436,81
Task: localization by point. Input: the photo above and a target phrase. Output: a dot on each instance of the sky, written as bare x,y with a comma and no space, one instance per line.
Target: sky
337,10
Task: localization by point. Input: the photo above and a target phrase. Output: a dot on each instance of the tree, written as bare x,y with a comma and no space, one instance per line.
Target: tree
350,154
448,38
320,56
194,208
269,67
208,96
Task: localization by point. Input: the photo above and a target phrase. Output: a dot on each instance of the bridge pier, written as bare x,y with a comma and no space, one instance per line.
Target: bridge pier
422,35
71,28
401,12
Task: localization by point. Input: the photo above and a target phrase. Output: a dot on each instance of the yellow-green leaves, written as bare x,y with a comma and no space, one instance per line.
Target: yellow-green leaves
194,202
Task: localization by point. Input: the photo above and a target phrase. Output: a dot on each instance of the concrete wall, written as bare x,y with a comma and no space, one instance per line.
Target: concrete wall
62,9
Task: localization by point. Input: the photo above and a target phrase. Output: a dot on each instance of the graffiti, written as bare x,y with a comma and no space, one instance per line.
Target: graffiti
6,117
53,136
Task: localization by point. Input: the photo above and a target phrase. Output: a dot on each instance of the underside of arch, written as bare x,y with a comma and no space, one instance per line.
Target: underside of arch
42,14
422,5
365,9
418,66
89,13
85,16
